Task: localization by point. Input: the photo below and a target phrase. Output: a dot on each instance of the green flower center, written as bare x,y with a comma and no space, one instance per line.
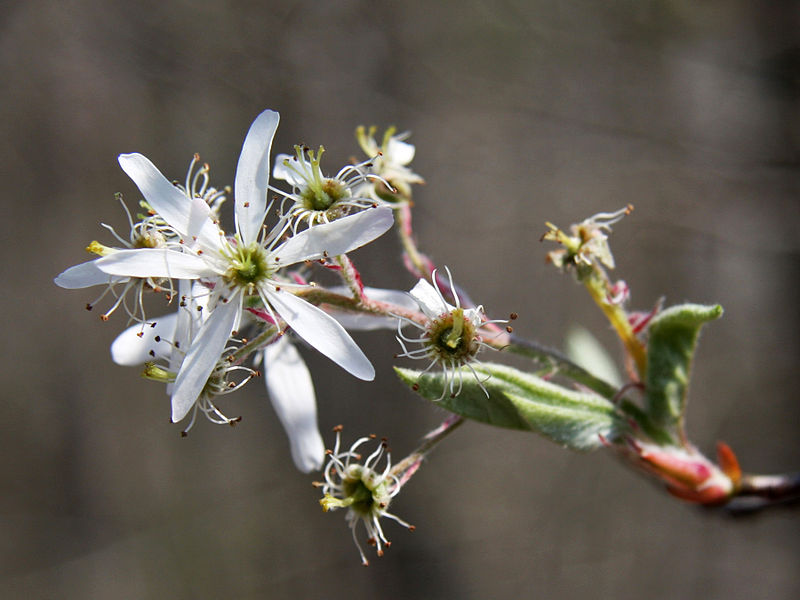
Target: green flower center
364,491
452,337
322,195
248,266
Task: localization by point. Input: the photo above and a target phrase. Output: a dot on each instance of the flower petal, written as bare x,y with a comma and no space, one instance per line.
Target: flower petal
154,262
292,394
189,216
355,321
132,347
205,351
252,176
322,332
400,152
339,237
429,300
85,275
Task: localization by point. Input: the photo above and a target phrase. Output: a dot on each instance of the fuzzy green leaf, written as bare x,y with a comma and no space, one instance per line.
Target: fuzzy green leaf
672,338
525,402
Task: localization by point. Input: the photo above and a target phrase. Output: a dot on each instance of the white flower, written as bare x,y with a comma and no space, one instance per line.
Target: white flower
362,489
246,265
150,231
166,340
316,198
390,159
288,380
451,336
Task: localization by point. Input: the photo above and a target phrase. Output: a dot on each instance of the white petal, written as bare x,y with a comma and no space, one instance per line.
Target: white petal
429,300
154,262
252,176
202,357
322,332
286,173
188,323
85,275
292,394
339,237
130,350
400,152
189,216
354,321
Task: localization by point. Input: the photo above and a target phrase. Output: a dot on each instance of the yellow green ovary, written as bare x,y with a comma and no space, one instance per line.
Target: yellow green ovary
452,337
248,266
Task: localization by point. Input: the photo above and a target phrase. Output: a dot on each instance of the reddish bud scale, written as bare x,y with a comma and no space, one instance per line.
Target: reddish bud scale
687,474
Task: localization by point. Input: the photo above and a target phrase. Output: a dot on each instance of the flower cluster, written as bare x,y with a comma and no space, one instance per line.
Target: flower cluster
230,283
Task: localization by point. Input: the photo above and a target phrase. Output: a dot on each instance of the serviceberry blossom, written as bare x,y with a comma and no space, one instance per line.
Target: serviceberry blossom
363,489
161,346
288,380
149,230
316,198
450,337
588,243
390,161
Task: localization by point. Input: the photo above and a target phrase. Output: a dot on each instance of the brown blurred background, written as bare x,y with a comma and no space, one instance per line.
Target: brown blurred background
522,112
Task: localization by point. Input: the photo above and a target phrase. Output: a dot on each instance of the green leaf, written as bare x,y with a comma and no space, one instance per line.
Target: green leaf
522,401
672,337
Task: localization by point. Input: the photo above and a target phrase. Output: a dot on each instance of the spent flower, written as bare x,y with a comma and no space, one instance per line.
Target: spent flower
451,335
587,243
363,488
